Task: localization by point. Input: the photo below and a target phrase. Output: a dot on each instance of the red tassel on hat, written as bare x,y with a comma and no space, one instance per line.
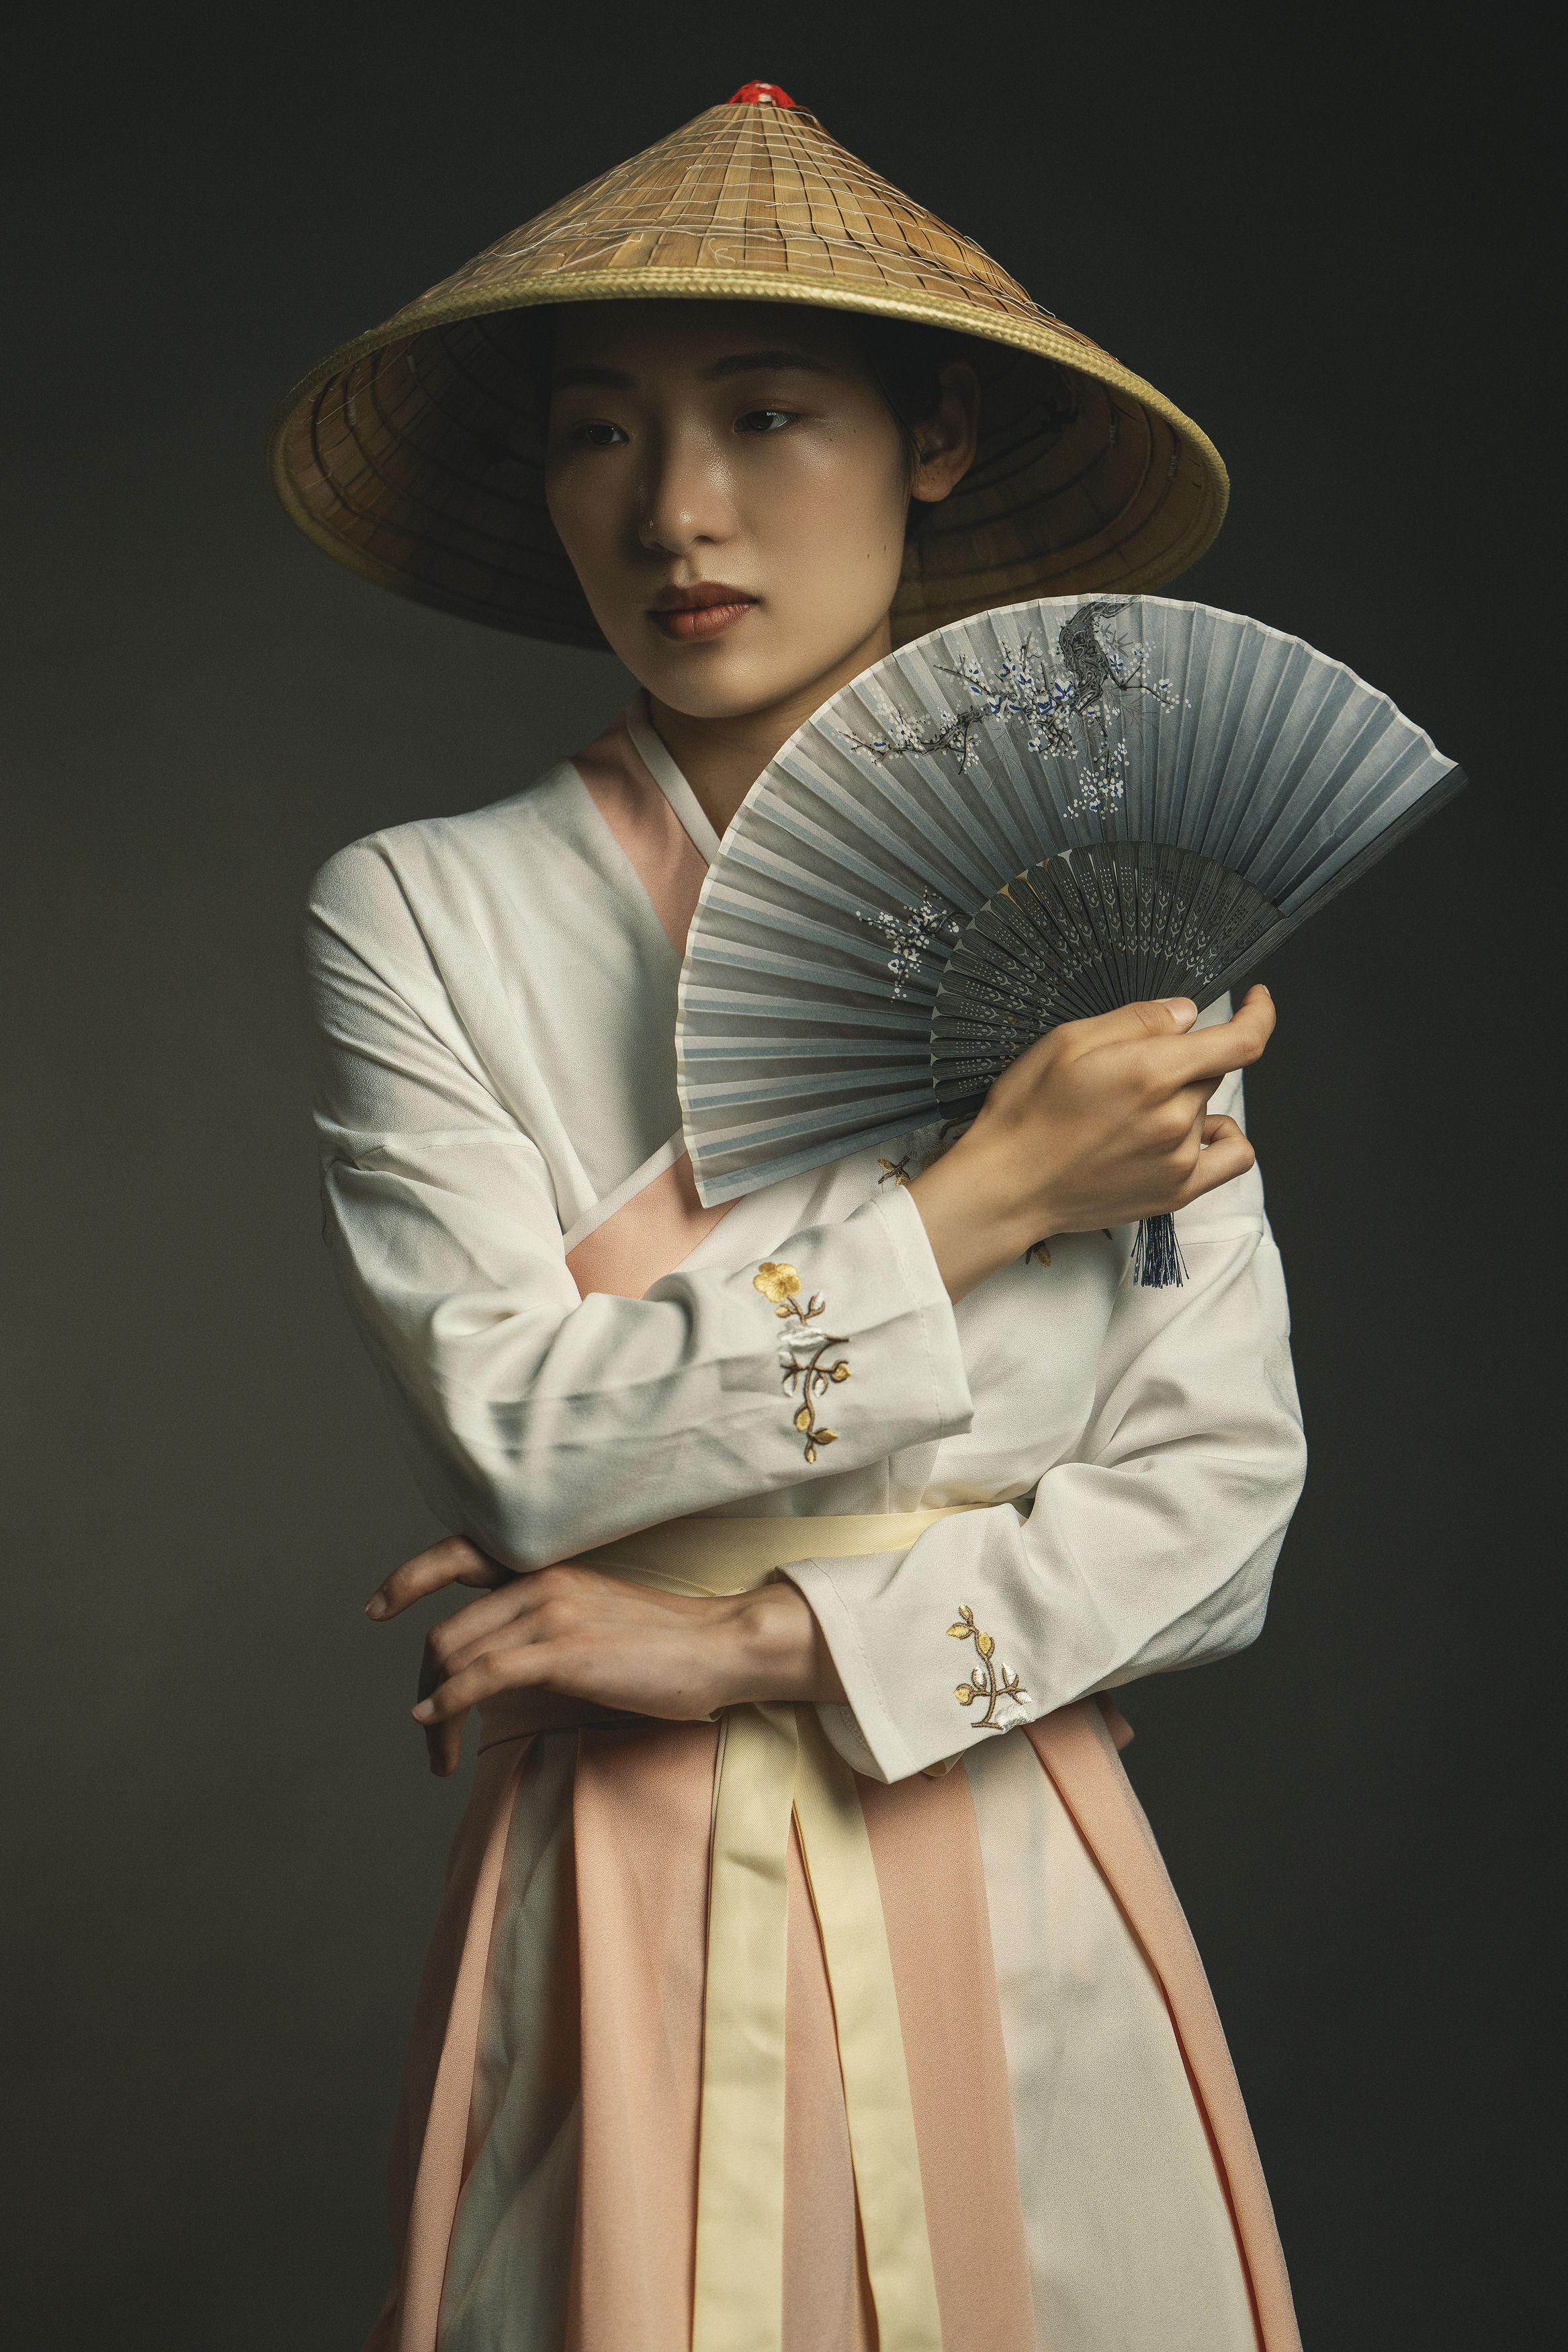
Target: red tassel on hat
761,93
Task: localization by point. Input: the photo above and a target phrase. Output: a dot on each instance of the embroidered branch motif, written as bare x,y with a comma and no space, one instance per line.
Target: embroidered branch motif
991,1680
1036,1254
805,1345
896,1171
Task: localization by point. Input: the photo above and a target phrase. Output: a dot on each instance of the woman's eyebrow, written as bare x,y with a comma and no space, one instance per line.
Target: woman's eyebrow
605,379
737,362
608,379
746,363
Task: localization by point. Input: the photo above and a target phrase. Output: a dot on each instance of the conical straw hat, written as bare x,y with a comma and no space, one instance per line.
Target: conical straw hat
414,455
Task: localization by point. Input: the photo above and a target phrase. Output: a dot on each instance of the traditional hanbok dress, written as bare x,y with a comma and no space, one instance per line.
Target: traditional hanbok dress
818,2028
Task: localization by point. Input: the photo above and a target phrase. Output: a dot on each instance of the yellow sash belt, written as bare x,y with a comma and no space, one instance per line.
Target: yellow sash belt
774,1763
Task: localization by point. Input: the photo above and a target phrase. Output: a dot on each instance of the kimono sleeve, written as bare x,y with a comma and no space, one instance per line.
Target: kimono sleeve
538,1422
1152,1547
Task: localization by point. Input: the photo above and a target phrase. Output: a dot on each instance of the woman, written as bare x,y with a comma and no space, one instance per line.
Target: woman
751,2020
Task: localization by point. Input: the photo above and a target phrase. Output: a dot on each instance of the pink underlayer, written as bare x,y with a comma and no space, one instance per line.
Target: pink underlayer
666,1220
661,852
662,1225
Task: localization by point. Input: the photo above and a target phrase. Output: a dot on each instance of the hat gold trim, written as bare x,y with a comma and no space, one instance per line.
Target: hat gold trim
414,455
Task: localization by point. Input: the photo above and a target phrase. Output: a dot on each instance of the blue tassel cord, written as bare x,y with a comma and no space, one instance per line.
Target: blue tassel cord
1157,1261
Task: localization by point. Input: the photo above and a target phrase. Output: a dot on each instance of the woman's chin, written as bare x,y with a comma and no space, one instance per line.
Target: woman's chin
725,679
710,682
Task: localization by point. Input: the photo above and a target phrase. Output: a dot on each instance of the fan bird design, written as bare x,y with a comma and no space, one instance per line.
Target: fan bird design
1028,817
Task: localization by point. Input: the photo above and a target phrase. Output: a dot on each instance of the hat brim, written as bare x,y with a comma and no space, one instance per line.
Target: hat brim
437,491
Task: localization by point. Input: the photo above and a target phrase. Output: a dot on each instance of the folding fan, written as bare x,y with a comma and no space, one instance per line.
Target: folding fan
1033,815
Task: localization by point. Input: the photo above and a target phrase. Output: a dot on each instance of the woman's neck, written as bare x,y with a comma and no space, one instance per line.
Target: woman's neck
721,759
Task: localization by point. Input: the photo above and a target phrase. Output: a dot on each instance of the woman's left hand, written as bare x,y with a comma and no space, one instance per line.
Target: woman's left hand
578,1635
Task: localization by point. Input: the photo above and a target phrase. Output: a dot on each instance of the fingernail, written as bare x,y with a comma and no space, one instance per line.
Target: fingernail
1182,1010
423,1712
375,1606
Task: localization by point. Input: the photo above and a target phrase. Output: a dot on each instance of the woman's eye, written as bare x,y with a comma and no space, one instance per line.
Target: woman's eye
765,420
599,435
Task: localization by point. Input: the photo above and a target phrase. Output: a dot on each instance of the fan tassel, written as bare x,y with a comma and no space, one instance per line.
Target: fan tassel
1157,1261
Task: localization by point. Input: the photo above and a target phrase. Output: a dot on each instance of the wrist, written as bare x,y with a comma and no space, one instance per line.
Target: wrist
977,1216
774,1649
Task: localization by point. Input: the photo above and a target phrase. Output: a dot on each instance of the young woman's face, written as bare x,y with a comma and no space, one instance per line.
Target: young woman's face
731,489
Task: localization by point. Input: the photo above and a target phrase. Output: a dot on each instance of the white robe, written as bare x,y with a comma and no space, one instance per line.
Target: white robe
494,999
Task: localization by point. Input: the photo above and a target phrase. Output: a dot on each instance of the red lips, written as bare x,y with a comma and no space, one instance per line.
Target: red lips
703,610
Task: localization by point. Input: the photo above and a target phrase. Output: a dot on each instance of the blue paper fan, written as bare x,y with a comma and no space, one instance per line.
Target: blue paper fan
1037,813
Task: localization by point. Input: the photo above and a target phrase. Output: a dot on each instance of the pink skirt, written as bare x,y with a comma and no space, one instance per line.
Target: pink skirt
618,2030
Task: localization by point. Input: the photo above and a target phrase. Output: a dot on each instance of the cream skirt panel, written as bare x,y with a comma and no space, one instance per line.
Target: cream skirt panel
1131,2247
510,2269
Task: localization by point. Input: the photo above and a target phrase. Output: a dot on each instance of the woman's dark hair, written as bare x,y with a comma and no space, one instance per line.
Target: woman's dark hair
905,362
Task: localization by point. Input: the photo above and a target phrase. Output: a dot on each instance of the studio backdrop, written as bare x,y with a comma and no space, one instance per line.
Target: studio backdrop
224,1852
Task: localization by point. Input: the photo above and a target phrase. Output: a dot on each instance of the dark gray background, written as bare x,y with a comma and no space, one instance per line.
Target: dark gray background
224,1853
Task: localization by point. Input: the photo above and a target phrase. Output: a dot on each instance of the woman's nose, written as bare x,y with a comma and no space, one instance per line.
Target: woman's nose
687,496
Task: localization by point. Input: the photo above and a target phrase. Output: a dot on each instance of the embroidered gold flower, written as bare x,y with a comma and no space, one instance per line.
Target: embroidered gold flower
991,1680
805,1345
895,1172
776,1281
1036,1254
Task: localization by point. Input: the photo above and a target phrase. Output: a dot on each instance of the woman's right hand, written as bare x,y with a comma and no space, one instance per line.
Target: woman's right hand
573,1645
1100,1123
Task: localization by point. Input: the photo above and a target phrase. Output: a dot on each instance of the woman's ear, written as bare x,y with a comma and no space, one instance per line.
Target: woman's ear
947,438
